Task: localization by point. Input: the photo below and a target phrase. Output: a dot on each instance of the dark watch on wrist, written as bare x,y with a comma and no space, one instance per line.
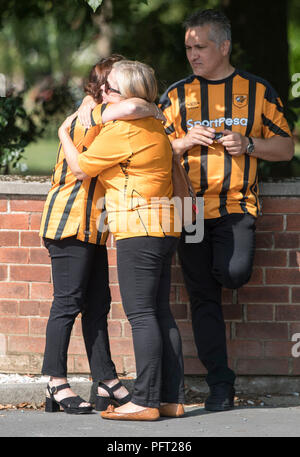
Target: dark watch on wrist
250,147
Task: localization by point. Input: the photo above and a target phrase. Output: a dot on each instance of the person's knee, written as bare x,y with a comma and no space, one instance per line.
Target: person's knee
234,277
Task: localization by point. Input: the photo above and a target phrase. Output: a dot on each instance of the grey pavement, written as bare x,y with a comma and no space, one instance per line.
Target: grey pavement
273,410
240,422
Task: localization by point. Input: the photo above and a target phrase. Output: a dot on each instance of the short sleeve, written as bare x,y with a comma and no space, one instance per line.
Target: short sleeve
273,119
166,105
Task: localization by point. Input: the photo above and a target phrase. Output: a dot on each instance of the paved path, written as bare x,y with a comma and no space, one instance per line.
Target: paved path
240,422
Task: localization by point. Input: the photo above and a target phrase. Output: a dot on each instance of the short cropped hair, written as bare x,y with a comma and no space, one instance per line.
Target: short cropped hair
136,79
220,25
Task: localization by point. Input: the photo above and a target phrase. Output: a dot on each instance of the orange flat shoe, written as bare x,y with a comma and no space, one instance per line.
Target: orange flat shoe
171,410
147,414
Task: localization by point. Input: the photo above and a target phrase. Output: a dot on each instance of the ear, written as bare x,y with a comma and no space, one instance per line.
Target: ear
225,47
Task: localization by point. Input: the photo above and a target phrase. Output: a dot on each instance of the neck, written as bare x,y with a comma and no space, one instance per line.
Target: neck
221,72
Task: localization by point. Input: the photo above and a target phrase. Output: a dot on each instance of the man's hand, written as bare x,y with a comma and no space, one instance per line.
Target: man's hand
197,135
234,143
85,109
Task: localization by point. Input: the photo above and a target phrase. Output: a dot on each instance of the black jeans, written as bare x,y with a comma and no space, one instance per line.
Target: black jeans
144,269
80,282
223,259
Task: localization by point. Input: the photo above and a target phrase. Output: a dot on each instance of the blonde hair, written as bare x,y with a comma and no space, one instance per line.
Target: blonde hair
135,79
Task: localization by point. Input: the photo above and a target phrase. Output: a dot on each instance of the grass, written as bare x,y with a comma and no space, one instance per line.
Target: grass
39,157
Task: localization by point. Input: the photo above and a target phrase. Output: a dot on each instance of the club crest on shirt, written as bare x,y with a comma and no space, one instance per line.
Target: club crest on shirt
240,100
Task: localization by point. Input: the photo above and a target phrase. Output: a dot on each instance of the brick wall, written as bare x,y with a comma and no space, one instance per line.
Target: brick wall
261,317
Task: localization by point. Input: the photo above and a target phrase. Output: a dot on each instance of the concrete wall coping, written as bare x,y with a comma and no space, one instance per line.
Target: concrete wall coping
39,187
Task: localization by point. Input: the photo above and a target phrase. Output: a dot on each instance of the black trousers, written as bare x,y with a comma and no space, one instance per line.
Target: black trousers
80,282
144,269
224,258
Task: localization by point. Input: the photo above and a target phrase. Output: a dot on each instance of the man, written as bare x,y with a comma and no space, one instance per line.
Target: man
248,114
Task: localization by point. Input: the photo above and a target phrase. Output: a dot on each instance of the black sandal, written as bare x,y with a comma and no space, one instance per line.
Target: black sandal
69,404
103,402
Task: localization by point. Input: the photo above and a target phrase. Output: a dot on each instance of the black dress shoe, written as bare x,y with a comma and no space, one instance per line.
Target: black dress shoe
221,397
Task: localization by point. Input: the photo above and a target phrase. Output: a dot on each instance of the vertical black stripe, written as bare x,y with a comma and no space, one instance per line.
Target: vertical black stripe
90,197
182,107
61,183
227,157
251,112
203,149
55,194
66,212
101,224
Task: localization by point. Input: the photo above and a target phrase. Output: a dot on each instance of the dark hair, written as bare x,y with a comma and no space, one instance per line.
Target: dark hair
98,76
221,27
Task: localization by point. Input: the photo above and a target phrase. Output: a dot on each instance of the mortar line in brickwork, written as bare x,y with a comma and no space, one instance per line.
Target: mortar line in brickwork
284,222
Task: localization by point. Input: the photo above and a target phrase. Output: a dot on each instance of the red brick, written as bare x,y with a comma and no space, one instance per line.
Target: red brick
176,275
259,312
117,311
30,273
281,205
186,330
13,325
119,363
262,366
14,221
39,256
179,310
76,346
13,290
29,206
3,272
8,307
14,255
268,294
128,364
3,206
293,223
233,312
35,221
288,313
30,239
41,291
114,328
189,348
296,294
264,240
278,349
267,223
282,276
240,348
113,275
192,365
81,364
227,297
26,344
112,256
287,240
29,308
256,277
270,258
115,293
294,259
262,330
183,295
127,330
38,326
9,238
296,365
121,346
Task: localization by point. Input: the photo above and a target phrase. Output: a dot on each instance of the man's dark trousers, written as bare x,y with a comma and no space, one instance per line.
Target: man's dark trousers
224,258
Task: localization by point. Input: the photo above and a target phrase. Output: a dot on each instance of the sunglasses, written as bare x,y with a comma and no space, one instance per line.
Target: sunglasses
108,88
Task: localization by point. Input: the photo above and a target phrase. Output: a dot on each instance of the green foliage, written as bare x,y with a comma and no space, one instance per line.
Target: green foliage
17,130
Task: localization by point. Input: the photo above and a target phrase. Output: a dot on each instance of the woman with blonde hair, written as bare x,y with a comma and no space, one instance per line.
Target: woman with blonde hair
133,161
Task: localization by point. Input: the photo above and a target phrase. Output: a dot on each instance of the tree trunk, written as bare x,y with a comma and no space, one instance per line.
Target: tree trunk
103,21
260,39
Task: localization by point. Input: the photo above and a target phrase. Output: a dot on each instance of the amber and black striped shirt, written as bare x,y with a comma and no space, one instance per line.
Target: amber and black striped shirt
72,206
242,103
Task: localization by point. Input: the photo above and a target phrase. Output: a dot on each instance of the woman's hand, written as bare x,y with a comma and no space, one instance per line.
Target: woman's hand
85,109
66,125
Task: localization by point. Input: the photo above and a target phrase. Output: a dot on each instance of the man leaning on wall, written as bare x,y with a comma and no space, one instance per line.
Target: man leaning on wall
247,115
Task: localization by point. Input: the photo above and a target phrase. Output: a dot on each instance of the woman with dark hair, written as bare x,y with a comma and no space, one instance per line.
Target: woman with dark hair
134,162
79,261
